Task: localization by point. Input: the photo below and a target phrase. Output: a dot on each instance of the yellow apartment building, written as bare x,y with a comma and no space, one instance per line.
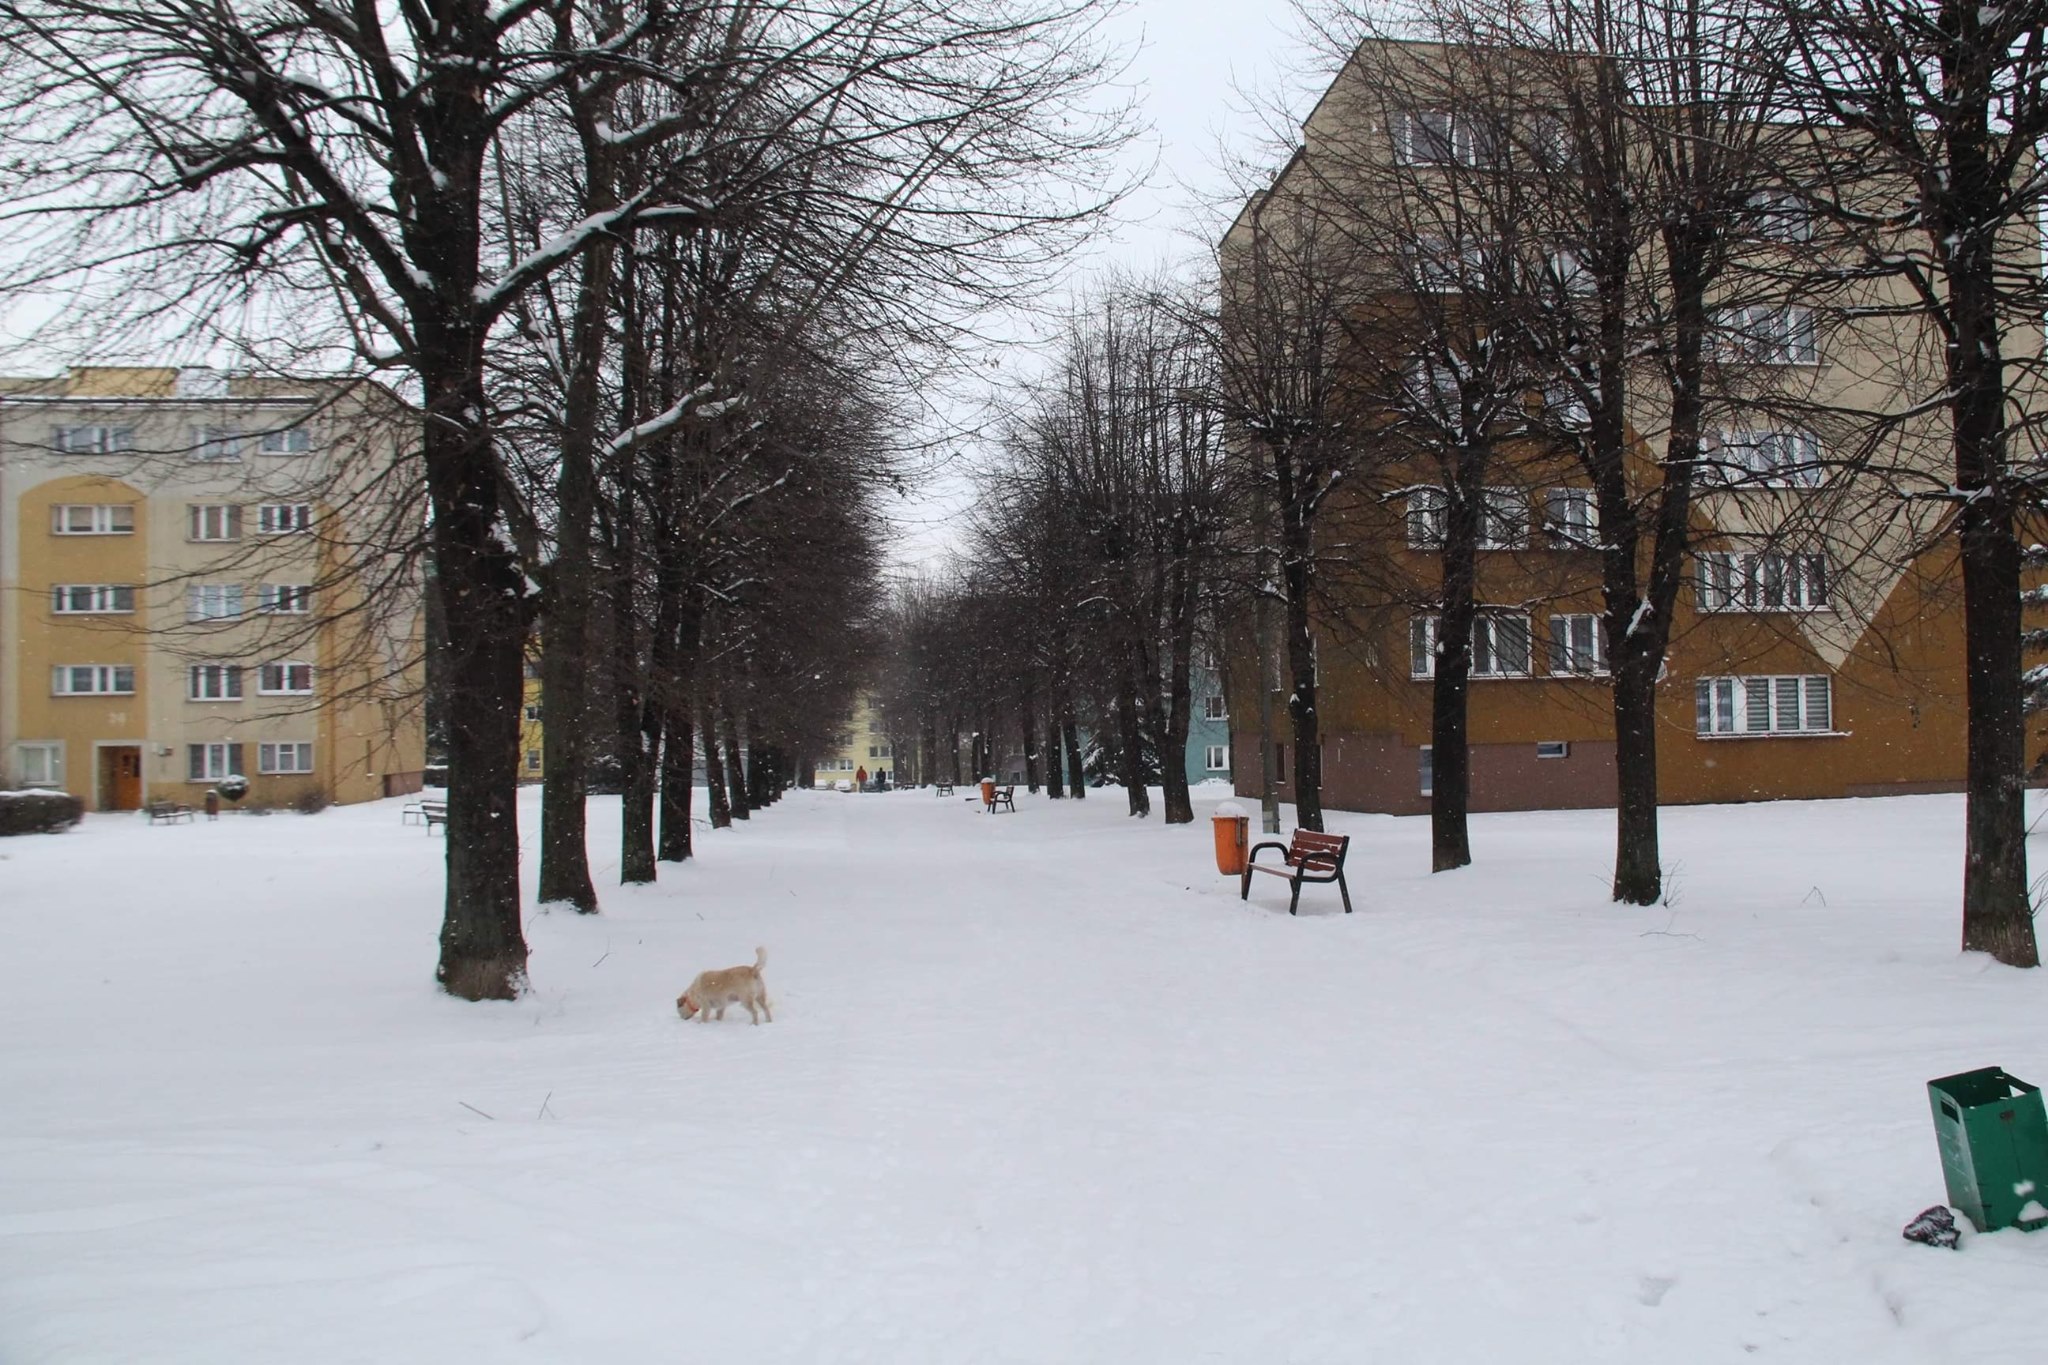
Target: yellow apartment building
205,574
532,760
863,745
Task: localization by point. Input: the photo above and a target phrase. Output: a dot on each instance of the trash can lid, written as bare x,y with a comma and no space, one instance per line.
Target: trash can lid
1230,810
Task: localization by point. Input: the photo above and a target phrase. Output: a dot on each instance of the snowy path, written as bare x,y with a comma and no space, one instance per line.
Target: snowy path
1040,1089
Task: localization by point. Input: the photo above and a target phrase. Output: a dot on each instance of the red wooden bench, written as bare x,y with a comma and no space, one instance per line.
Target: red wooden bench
1311,858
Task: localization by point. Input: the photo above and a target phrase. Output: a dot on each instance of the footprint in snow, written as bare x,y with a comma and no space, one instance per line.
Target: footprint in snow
1651,1289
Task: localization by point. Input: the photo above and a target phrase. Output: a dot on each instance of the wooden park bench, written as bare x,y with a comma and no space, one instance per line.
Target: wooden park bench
428,813
1004,798
943,788
1312,857
164,812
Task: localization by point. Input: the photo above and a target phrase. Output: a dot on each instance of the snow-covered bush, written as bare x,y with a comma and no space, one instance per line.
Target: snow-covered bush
34,812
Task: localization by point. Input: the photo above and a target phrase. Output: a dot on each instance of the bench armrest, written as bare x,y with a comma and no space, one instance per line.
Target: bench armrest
1253,856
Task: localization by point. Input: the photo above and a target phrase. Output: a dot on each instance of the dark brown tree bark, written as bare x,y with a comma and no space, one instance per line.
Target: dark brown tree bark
1131,742
735,769
714,769
1077,776
1450,801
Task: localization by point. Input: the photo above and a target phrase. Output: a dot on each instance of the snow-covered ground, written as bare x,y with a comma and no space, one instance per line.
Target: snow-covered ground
1039,1089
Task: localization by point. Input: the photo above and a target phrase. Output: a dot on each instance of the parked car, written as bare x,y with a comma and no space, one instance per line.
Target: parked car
844,784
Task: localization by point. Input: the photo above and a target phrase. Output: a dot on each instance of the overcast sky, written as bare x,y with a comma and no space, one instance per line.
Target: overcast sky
1193,65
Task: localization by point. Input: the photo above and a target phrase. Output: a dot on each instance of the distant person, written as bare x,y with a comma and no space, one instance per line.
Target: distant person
860,778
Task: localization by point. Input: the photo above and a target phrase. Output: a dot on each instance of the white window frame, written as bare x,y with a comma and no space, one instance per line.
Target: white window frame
94,438
1427,516
1434,382
284,518
292,440
213,601
533,760
213,521
213,682
1547,749
1214,707
105,680
214,761
101,518
217,445
1487,637
272,760
1425,770
1766,334
284,599
1765,706
99,599
50,756
1578,647
1503,519
1782,215
281,673
1441,147
1765,457
1563,269
1565,407
1217,759
1569,522
1760,582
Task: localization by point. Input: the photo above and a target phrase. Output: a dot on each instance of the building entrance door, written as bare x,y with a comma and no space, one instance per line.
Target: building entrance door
121,777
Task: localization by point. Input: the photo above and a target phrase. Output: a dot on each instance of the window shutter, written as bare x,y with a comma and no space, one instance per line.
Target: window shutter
1819,703
1787,710
1511,644
1756,706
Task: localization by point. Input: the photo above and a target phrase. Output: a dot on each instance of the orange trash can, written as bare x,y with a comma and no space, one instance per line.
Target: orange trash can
988,792
1233,831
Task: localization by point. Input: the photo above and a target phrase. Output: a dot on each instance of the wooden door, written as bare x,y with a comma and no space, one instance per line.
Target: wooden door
121,778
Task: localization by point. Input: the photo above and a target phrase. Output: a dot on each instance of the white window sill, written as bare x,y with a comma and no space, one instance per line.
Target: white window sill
1777,734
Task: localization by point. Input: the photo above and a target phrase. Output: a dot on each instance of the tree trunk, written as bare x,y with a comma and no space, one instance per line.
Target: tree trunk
1450,802
483,949
677,779
1131,743
1077,776
1297,575
714,769
735,769
1055,770
564,852
1028,719
1638,865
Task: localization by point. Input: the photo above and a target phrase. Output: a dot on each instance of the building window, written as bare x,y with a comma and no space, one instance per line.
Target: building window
284,518
1218,760
532,670
285,679
213,601
1780,215
216,445
1564,270
214,682
533,713
1568,518
1435,137
1769,581
1503,519
533,760
874,751
1425,518
92,599
1765,335
1802,704
92,680
212,762
1425,770
214,521
92,440
1577,645
1771,457
39,765
1500,646
290,441
1212,707
284,599
92,519
284,758
1553,748
1565,406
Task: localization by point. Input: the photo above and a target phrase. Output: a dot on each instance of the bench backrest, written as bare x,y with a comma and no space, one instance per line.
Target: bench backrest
1316,851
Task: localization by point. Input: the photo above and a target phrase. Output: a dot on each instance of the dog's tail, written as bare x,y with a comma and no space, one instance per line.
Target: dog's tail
760,958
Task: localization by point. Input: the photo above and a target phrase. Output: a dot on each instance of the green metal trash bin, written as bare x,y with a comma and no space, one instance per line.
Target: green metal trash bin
1994,1147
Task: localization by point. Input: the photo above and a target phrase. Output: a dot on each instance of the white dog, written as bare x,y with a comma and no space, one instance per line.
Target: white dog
712,991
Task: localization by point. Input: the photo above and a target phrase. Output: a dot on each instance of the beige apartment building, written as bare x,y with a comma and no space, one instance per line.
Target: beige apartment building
205,574
864,746
1816,648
